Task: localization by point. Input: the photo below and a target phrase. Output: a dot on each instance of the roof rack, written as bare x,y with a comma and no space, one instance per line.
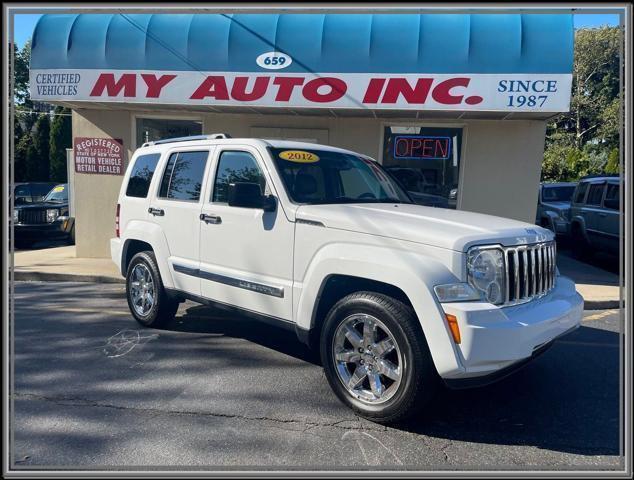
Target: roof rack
600,175
213,136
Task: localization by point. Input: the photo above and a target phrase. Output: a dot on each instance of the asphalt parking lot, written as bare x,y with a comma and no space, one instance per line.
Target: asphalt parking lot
92,389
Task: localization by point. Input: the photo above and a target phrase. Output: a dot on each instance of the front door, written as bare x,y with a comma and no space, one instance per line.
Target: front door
176,208
246,254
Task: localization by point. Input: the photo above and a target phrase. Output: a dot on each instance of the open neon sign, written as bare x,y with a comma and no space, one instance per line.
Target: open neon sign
421,147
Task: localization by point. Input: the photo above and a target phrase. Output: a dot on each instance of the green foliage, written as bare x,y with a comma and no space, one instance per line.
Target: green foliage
586,139
41,144
60,140
613,161
21,61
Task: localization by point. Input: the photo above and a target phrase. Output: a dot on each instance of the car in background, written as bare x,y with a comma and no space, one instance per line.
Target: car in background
595,215
421,191
553,206
48,219
31,192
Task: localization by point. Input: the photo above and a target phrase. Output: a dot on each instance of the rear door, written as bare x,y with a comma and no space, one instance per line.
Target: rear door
609,222
592,210
176,208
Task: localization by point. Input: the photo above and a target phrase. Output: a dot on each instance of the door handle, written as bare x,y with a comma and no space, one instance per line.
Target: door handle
215,219
156,211
603,215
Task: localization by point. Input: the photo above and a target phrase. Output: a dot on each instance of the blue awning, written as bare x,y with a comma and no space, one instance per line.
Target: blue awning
345,43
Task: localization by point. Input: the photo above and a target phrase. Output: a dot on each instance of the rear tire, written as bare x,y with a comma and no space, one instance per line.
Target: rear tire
581,249
147,299
383,387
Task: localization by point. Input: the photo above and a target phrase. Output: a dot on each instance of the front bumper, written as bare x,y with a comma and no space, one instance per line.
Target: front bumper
561,227
494,339
43,231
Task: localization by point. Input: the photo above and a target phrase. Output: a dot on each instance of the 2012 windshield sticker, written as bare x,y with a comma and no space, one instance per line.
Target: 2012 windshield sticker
527,93
299,156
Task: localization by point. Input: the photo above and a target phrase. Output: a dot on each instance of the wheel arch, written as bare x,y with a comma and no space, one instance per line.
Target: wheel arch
141,236
407,276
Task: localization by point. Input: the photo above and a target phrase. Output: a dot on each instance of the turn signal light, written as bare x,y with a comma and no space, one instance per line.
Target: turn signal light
452,321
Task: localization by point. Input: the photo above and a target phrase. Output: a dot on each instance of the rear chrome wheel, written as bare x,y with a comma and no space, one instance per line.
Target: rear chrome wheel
148,301
367,358
142,290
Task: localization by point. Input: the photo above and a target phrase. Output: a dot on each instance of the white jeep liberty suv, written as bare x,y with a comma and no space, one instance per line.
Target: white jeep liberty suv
398,297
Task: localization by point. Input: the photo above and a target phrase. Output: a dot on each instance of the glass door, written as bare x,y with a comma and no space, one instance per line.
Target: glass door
425,161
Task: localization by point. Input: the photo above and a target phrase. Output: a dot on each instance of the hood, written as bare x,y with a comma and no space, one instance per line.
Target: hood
439,227
40,205
557,205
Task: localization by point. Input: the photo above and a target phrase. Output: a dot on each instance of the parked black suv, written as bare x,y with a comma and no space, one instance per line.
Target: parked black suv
31,192
48,219
595,215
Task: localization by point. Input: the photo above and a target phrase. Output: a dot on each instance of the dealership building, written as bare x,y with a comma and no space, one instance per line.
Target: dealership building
454,105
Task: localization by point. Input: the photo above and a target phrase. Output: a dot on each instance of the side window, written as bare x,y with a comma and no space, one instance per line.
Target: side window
581,192
612,197
141,175
235,167
183,176
595,194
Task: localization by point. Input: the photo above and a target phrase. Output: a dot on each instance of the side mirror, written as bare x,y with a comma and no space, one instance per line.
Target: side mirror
249,195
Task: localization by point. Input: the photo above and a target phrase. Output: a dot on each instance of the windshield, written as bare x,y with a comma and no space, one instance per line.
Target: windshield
319,176
557,194
58,194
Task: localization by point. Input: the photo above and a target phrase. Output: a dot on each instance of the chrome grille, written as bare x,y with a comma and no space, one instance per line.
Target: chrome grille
530,271
32,216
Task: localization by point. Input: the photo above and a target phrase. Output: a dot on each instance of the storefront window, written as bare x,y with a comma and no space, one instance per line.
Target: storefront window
151,129
426,161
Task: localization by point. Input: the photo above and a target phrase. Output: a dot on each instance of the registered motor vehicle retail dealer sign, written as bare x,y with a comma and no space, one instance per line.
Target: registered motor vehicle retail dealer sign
98,155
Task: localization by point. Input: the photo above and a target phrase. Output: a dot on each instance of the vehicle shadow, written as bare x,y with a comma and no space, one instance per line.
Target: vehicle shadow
566,400
212,320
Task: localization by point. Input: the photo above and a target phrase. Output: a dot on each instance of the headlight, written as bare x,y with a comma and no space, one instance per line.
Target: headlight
485,273
52,214
15,214
456,292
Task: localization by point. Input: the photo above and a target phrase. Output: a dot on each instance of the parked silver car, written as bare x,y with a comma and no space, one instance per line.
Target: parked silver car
595,215
553,206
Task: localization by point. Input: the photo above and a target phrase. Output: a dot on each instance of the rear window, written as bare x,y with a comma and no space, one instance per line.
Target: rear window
183,177
595,194
141,175
612,197
581,192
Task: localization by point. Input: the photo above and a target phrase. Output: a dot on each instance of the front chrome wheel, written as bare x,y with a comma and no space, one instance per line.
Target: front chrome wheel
142,290
367,358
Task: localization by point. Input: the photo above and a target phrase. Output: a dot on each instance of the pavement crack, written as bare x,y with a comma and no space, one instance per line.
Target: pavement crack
83,402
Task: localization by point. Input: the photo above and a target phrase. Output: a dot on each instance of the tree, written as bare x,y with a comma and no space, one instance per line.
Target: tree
21,61
61,138
41,144
586,139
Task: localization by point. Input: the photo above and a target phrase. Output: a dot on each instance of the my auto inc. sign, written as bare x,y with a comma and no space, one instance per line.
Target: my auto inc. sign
98,155
479,92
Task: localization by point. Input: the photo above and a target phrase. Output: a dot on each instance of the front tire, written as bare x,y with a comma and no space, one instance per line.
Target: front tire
147,299
376,358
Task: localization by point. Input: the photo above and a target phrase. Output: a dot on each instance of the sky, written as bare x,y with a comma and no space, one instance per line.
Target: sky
24,24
